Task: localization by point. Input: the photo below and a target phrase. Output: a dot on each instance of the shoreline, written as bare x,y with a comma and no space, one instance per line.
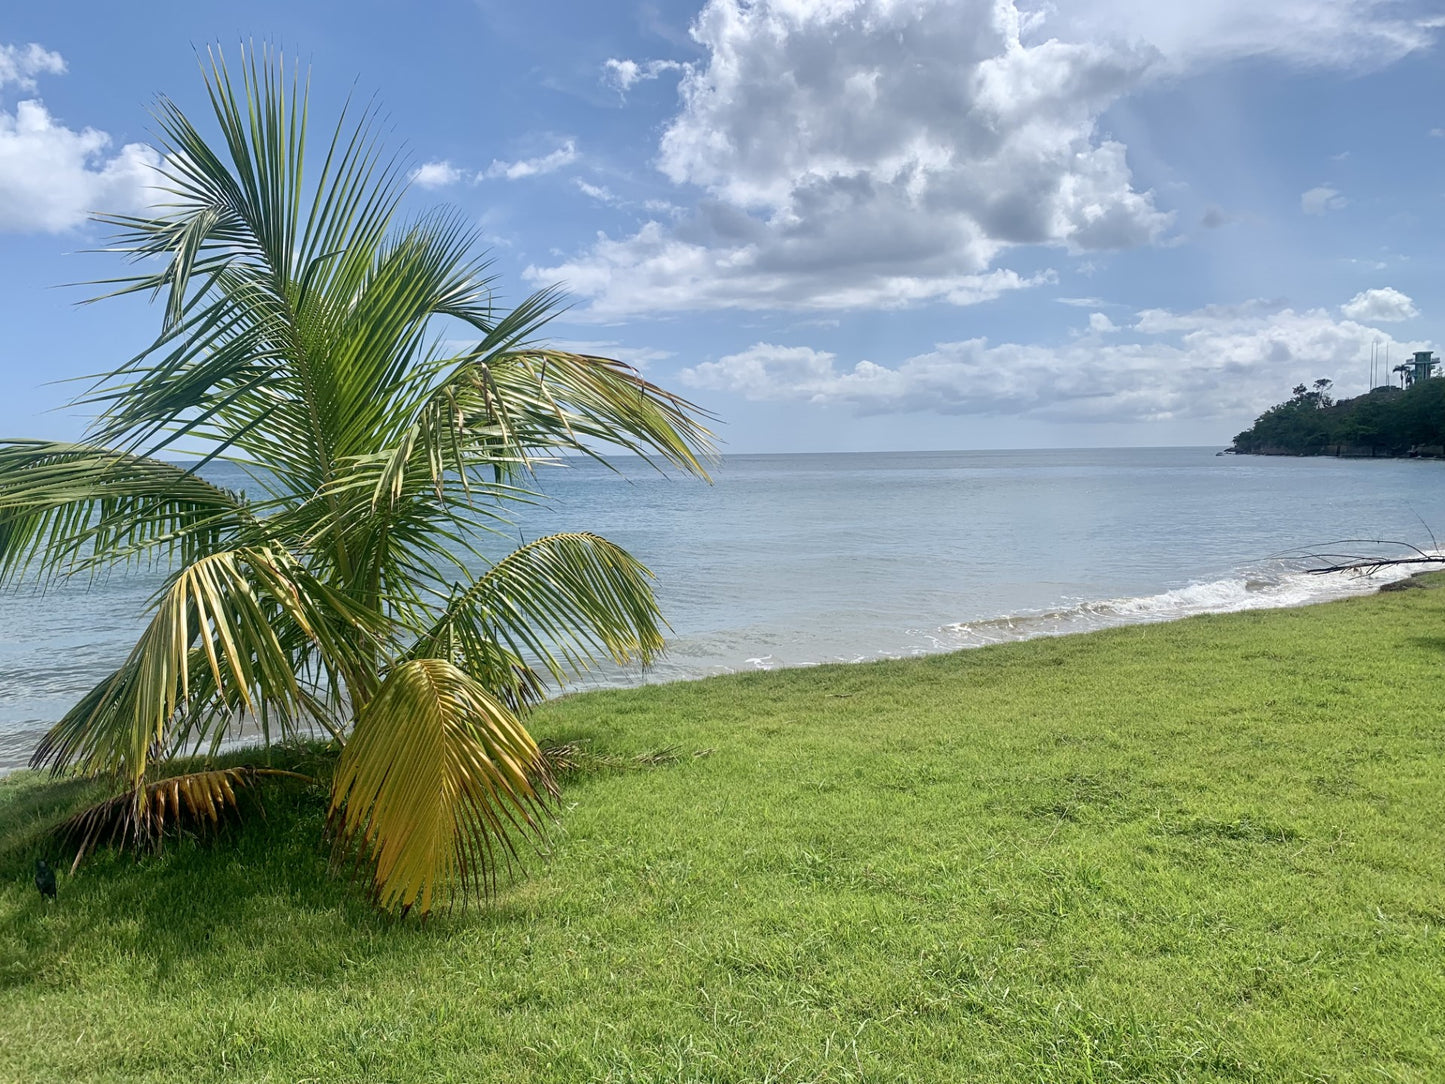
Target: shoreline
1085,617
799,560
1280,588
1434,454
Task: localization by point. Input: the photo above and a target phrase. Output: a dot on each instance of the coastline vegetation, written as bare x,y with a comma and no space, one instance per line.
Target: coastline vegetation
1386,421
1199,851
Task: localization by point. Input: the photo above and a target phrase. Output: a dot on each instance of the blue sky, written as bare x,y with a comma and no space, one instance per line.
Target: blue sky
837,224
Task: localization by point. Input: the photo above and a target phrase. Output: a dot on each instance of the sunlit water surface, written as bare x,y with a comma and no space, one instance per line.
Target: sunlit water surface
788,560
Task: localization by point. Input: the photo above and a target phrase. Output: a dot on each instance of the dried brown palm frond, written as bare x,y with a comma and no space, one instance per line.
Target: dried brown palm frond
139,817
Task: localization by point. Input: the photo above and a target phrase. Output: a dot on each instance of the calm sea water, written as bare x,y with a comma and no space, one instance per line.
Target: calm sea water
788,560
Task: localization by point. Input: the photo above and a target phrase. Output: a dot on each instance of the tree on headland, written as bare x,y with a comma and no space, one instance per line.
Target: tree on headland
309,334
1383,421
1298,423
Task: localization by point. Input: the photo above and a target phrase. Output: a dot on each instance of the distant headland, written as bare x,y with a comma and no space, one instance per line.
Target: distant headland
1392,421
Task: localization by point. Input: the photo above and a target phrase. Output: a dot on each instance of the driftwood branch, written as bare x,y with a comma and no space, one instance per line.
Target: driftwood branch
1332,557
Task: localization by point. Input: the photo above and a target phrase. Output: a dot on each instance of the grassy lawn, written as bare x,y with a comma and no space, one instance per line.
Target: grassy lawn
1208,850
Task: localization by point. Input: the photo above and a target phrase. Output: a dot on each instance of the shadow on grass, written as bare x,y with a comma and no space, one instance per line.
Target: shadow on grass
256,899
31,806
254,902
199,896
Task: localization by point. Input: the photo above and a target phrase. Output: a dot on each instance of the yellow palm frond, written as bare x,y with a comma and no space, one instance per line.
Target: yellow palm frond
438,779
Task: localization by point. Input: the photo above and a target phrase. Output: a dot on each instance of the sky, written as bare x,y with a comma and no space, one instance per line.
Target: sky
838,225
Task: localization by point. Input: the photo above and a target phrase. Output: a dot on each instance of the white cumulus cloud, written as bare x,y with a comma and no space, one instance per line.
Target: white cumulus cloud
1322,200
440,174
52,177
656,271
436,174
600,192
564,155
885,150
1347,34
1385,304
20,64
623,74
1221,361
873,153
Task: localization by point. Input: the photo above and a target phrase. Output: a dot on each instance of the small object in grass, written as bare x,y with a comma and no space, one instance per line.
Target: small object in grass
44,878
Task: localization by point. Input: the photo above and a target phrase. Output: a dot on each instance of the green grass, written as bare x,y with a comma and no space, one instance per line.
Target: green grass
1202,851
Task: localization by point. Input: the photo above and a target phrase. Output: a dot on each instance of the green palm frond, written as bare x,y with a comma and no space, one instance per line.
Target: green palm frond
435,783
515,401
70,507
566,601
579,400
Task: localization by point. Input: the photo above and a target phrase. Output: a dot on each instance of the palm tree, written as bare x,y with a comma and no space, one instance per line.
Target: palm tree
309,335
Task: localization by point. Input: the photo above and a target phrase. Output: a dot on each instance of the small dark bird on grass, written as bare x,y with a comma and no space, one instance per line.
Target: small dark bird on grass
44,878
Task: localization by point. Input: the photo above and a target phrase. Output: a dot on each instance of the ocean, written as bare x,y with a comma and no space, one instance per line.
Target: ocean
790,560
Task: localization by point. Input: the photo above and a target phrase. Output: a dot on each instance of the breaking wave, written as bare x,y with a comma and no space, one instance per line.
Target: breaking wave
1262,589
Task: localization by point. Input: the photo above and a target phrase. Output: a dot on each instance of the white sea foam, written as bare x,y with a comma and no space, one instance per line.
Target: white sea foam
1264,589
